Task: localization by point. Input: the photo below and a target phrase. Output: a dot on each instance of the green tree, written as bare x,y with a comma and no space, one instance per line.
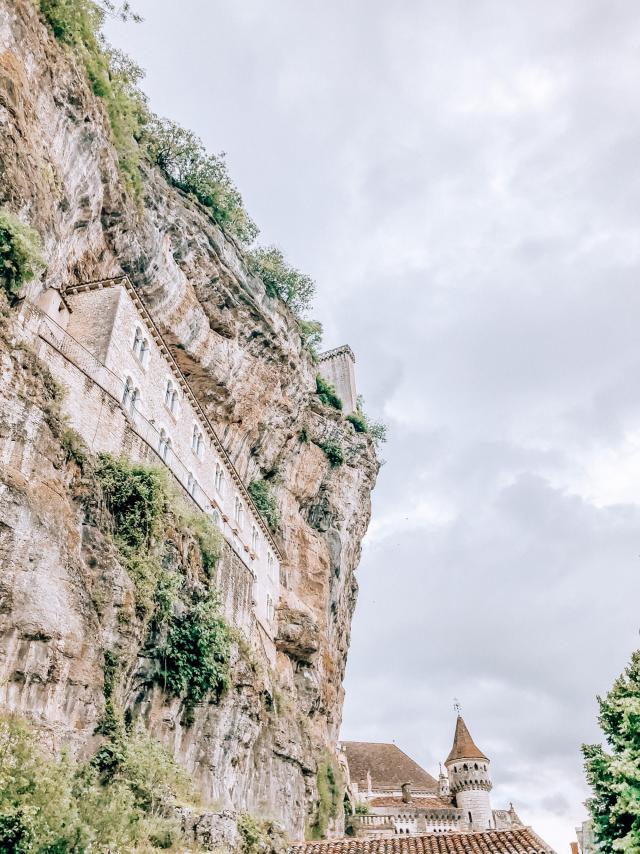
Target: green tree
20,253
614,773
184,160
281,280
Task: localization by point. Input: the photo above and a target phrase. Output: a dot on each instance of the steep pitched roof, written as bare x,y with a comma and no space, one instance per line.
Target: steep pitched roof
520,841
464,746
388,765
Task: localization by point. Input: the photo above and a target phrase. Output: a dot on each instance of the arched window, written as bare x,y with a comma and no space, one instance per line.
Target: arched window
128,391
270,565
135,398
168,394
466,767
475,766
238,512
219,482
254,539
164,445
197,441
144,353
137,343
191,484
216,519
174,403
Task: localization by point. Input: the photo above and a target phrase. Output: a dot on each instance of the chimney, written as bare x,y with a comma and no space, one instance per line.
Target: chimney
406,793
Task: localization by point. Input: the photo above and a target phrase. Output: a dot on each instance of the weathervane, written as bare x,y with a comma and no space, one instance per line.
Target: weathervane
456,705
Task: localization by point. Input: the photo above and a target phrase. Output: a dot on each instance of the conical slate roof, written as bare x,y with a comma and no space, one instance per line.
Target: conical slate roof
464,746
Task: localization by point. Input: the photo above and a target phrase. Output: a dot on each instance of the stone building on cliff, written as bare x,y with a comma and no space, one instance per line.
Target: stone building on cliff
126,395
392,795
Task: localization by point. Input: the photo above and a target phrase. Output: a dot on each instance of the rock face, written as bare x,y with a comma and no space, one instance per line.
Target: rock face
61,585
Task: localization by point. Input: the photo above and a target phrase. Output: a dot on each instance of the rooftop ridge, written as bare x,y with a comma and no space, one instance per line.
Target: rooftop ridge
522,840
124,280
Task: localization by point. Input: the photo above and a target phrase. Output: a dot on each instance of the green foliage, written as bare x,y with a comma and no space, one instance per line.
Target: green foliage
363,424
614,775
311,334
303,436
20,253
264,499
327,393
136,497
54,806
281,280
74,446
195,658
358,421
184,160
333,452
113,76
362,809
330,790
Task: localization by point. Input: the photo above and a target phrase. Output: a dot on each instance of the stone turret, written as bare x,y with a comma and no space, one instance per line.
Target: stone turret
443,784
469,778
337,367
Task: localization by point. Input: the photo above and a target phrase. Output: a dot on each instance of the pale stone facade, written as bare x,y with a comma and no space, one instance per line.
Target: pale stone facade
338,368
127,396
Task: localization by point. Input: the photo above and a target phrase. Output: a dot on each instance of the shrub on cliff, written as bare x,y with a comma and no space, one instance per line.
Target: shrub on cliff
113,76
327,393
363,424
330,787
195,658
264,499
183,159
54,805
20,253
333,451
281,280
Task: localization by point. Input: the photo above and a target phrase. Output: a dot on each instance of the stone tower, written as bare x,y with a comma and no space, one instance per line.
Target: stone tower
469,779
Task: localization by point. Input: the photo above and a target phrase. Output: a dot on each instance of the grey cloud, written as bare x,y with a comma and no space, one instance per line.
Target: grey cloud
461,180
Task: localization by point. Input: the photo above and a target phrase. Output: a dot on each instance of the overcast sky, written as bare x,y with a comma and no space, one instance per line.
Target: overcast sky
461,179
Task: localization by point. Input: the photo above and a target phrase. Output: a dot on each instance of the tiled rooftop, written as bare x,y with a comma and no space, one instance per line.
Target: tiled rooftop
388,765
521,841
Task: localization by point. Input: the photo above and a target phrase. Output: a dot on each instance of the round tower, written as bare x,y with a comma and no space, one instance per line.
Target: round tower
469,779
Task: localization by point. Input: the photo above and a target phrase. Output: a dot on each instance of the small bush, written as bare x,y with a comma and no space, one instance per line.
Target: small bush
327,393
136,496
20,254
183,159
74,446
281,280
311,335
265,501
333,452
55,806
362,809
358,421
195,658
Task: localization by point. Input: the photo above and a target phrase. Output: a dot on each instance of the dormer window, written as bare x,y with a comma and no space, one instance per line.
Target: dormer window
197,441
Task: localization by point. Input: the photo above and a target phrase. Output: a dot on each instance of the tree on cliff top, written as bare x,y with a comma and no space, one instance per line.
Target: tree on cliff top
614,775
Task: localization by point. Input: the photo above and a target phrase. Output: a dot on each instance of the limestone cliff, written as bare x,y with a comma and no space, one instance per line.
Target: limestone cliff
61,583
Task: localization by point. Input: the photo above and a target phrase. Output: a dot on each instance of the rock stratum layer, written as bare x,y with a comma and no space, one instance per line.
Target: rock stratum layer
62,585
